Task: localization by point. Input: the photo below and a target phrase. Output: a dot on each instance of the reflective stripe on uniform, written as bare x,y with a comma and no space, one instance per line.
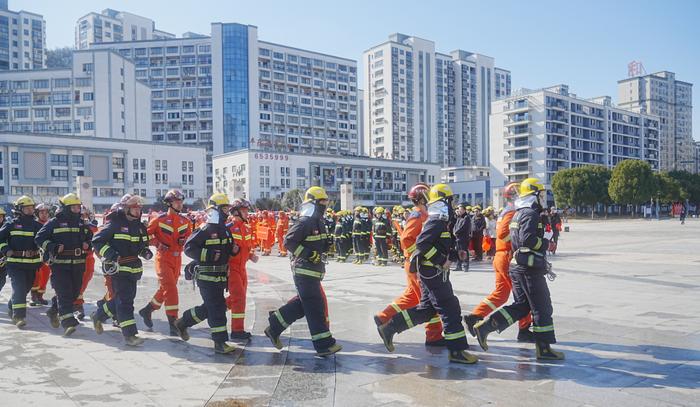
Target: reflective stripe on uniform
166,227
155,302
320,336
455,335
298,250
171,307
407,318
66,230
314,238
411,248
2,245
235,236
210,242
182,228
280,319
19,306
445,234
69,261
396,307
105,308
194,316
65,316
128,269
122,236
216,329
513,225
211,279
23,260
430,253
103,250
538,244
307,272
124,324
21,233
506,315
490,304
203,255
238,315
548,328
435,320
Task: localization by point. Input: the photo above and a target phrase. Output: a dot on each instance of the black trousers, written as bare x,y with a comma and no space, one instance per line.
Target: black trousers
66,280
530,294
477,240
340,248
213,309
22,279
438,297
122,305
3,278
357,245
310,303
381,247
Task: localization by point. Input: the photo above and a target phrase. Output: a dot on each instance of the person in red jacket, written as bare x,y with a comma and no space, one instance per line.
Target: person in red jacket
238,275
412,294
168,233
44,272
501,266
89,265
282,227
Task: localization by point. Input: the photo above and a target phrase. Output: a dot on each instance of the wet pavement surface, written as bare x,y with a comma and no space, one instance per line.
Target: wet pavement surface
625,313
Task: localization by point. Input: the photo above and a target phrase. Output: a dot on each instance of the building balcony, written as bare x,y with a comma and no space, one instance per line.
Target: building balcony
514,121
511,134
517,171
517,159
517,146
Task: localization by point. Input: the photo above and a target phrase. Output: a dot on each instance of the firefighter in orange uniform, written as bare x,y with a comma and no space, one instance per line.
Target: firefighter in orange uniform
89,265
168,233
44,272
238,275
282,227
411,295
253,222
501,265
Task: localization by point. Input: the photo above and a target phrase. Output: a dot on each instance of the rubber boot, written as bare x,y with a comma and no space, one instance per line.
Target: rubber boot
526,336
79,312
276,342
387,334
462,356
181,329
471,320
330,350
69,331
19,322
133,340
545,352
96,323
173,329
240,335
52,313
483,329
146,313
223,348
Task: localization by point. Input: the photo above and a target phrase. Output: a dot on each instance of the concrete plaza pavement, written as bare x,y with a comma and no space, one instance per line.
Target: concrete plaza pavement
625,312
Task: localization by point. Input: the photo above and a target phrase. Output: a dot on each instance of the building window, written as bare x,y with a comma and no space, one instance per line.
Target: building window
60,160
78,160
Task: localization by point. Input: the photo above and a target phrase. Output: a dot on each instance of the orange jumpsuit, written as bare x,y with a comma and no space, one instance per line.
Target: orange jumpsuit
282,227
168,233
253,222
42,277
270,239
237,273
89,270
501,265
411,295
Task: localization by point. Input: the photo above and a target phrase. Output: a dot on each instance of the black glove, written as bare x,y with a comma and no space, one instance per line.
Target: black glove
146,253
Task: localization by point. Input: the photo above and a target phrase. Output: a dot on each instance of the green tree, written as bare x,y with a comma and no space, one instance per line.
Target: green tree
668,189
268,204
292,199
582,186
632,182
59,58
690,184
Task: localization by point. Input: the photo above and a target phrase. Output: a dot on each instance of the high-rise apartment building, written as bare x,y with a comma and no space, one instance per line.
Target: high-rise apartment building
22,39
115,26
660,94
422,105
537,133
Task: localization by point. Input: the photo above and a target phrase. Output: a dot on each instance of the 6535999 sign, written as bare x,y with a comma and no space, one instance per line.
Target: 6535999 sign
271,156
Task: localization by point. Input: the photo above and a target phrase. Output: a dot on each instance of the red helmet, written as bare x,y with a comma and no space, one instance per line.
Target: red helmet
510,192
240,203
419,192
173,195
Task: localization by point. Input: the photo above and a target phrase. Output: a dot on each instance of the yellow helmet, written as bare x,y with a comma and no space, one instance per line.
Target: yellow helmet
70,199
438,192
218,199
365,210
358,208
530,186
379,210
315,194
23,201
330,211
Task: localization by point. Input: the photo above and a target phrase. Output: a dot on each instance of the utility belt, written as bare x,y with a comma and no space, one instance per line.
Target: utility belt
77,252
25,254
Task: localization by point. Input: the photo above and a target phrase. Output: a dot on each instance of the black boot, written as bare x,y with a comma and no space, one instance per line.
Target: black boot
173,329
386,332
545,352
223,348
145,313
526,336
483,329
471,320
34,302
52,313
79,312
181,329
240,335
40,299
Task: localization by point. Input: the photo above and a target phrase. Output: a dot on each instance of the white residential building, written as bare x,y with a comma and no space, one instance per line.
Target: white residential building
660,94
537,133
422,105
99,96
259,174
22,39
470,184
45,166
115,26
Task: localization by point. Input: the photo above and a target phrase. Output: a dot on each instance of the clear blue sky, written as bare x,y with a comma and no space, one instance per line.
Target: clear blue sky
584,44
